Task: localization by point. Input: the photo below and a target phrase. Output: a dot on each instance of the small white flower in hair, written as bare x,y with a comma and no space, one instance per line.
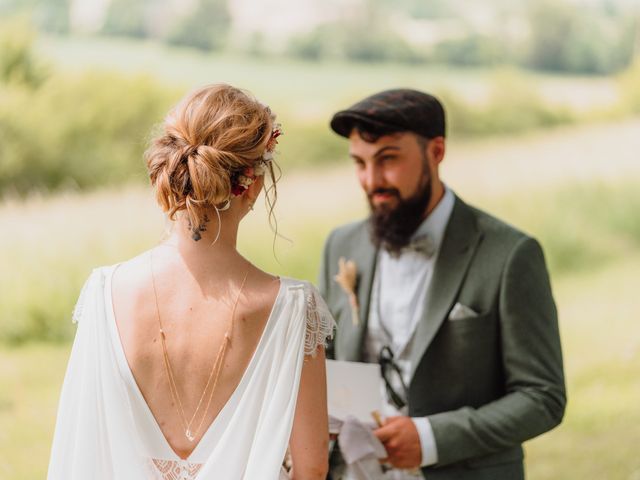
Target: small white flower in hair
245,178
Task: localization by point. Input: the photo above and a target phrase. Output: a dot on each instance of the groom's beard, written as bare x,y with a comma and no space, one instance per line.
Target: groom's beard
392,227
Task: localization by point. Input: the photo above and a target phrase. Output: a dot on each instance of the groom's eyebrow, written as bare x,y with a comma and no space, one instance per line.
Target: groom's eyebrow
386,150
378,153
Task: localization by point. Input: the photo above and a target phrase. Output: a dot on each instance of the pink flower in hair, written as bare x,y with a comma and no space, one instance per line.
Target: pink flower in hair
244,178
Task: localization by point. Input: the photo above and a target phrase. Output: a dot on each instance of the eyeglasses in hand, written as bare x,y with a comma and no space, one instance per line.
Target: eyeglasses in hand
392,375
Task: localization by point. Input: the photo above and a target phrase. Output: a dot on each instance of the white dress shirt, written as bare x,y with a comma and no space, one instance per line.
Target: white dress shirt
398,299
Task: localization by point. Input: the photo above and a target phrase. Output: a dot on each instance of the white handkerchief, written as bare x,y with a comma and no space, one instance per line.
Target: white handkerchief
460,311
360,449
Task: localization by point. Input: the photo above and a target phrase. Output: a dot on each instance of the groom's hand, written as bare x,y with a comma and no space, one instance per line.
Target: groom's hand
401,441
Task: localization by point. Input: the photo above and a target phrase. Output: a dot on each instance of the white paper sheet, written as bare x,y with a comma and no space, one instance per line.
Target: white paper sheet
353,389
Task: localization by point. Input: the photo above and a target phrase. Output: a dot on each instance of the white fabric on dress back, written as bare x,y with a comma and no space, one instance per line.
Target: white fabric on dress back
105,430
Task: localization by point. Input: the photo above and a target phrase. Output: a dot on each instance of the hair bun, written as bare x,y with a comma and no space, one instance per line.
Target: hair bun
212,133
188,151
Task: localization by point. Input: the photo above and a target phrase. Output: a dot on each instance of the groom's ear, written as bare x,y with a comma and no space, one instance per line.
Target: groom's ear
435,149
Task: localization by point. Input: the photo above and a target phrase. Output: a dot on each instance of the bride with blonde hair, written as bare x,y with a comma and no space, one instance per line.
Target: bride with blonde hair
189,362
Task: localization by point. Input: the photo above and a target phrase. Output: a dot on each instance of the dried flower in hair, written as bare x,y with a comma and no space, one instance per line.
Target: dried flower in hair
244,178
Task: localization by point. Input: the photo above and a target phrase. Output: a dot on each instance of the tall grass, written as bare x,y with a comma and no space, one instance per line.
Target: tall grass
600,434
581,226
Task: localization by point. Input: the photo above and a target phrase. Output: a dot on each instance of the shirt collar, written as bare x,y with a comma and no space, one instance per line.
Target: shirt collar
436,223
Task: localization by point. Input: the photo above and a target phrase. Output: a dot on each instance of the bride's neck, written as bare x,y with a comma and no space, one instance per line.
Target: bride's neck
215,247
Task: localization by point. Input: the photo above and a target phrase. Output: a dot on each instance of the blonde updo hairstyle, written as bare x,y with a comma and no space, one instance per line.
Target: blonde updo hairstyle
208,137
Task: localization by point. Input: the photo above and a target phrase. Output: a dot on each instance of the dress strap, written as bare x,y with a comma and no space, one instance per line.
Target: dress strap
79,308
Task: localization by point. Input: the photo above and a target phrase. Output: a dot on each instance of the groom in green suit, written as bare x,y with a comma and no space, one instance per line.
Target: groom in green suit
454,304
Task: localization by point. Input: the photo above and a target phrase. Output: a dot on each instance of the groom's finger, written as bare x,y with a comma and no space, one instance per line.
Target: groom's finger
390,420
384,433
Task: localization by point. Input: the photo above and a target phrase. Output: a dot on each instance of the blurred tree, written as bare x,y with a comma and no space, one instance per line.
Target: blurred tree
551,23
432,9
53,15
127,18
376,43
48,15
472,50
206,28
12,7
18,63
310,46
77,131
592,39
357,41
367,38
58,130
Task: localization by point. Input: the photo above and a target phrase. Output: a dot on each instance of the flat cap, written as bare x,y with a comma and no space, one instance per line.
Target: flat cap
390,111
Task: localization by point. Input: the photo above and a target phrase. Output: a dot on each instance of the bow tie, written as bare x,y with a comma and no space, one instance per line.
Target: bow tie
423,244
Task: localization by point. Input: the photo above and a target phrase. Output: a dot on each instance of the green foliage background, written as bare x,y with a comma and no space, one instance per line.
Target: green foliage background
81,129
72,135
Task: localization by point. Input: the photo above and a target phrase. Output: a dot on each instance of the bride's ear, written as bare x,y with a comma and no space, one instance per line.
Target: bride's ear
255,188
251,194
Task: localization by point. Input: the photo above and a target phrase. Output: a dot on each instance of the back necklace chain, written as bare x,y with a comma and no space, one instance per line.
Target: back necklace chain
214,374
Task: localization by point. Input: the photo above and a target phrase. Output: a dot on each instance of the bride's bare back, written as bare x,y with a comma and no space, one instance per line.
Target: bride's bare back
195,308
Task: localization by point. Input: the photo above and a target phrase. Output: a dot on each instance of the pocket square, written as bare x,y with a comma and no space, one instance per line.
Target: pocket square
460,311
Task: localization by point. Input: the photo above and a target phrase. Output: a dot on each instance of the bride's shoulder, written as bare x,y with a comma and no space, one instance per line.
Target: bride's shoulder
135,268
131,269
130,274
93,289
131,284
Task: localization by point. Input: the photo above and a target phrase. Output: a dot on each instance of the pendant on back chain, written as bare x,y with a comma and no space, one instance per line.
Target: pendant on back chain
189,435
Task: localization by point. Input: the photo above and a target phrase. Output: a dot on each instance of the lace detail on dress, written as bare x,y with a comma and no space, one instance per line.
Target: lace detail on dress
173,469
320,323
76,315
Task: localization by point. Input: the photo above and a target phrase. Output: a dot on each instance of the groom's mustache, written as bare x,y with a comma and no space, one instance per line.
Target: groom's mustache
388,191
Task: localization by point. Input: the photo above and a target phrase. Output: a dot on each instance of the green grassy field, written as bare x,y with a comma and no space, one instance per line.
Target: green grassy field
600,435
570,188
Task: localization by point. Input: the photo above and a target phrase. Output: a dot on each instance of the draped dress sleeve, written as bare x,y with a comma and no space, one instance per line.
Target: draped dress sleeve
94,435
319,321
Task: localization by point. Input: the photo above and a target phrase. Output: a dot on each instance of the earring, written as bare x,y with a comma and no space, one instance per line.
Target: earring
219,222
225,205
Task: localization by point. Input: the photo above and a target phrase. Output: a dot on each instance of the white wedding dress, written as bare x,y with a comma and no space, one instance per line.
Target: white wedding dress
106,431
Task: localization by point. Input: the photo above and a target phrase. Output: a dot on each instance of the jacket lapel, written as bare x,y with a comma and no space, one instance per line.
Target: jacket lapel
349,340
458,246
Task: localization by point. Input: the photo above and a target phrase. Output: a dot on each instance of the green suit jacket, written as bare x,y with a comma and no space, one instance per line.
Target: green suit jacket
488,382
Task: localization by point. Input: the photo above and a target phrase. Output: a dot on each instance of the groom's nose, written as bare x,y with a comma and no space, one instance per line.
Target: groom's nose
371,177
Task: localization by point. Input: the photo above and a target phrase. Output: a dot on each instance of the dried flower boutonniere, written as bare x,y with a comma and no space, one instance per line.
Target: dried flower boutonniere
347,279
